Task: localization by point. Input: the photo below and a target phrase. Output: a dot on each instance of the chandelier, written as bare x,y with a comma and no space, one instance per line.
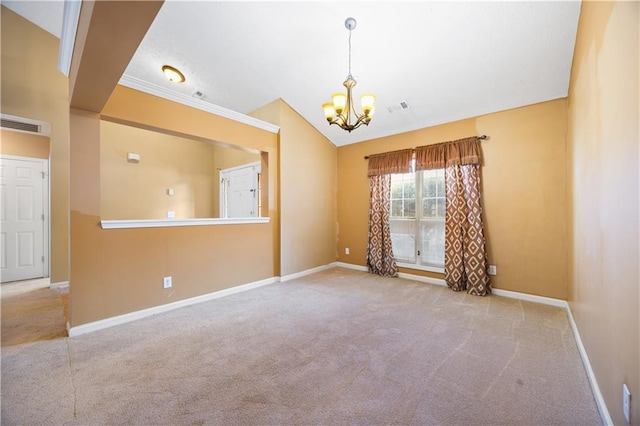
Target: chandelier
341,110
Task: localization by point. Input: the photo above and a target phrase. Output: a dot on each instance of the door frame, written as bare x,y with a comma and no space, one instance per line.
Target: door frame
222,203
46,206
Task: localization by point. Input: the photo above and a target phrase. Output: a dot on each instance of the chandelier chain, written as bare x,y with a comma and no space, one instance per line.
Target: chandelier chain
349,52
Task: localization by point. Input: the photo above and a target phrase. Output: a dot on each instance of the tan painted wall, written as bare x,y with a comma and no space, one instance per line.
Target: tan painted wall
271,114
32,87
24,144
119,271
524,194
603,143
139,190
308,179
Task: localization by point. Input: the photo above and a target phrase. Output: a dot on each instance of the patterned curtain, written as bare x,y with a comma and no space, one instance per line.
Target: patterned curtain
379,250
465,257
465,260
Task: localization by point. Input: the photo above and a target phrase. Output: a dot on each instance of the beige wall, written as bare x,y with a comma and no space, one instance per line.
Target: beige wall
119,271
32,87
139,190
524,194
603,143
24,144
308,179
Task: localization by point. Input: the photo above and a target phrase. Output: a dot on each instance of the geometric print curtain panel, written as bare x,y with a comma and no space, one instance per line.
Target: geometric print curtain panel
379,250
465,258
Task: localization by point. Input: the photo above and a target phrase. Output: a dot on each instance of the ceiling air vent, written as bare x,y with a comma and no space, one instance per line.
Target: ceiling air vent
399,107
21,124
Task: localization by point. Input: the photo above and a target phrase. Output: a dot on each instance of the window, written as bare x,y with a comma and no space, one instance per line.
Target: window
417,219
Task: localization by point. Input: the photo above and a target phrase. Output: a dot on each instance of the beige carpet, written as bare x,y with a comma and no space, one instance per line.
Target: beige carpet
336,347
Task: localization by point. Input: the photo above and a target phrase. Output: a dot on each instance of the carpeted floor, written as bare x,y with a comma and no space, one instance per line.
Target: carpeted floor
335,347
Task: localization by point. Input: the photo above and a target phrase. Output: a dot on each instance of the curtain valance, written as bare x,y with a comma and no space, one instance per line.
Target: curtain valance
390,162
441,155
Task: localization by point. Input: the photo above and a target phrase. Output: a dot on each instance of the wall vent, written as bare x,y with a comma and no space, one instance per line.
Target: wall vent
17,125
24,125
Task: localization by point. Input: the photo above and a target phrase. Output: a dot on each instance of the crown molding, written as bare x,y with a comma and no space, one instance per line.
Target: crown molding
161,92
70,18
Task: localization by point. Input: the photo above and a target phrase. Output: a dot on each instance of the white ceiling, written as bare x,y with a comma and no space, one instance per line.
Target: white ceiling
447,60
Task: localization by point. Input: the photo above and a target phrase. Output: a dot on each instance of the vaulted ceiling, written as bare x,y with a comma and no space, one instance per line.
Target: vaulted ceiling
444,61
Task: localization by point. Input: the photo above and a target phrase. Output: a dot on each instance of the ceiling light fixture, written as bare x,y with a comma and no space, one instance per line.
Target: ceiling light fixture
173,74
339,111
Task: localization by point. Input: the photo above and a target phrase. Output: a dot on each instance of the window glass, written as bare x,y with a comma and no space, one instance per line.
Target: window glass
418,235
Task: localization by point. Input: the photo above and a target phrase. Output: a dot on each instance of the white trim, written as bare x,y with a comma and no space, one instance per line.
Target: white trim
59,285
403,275
133,316
351,266
162,223
420,267
70,18
429,280
181,98
307,272
595,389
530,298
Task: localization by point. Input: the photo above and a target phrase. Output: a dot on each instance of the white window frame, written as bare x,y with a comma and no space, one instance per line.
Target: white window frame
419,179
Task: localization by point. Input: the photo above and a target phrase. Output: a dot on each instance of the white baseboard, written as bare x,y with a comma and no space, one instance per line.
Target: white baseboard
351,266
59,285
530,298
428,280
132,316
595,389
307,272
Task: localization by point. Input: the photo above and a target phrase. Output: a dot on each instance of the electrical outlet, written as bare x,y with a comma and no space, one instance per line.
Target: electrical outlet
171,214
346,250
492,270
166,282
626,402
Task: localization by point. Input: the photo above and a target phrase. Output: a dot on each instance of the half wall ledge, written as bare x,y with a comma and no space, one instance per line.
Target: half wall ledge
163,223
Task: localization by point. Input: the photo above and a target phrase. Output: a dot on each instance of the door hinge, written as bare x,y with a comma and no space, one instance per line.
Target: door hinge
42,217
43,175
42,259
418,252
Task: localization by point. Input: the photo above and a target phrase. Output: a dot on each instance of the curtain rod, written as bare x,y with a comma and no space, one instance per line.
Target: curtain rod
481,137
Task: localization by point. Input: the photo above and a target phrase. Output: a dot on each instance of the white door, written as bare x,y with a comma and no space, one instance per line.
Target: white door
21,219
239,191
